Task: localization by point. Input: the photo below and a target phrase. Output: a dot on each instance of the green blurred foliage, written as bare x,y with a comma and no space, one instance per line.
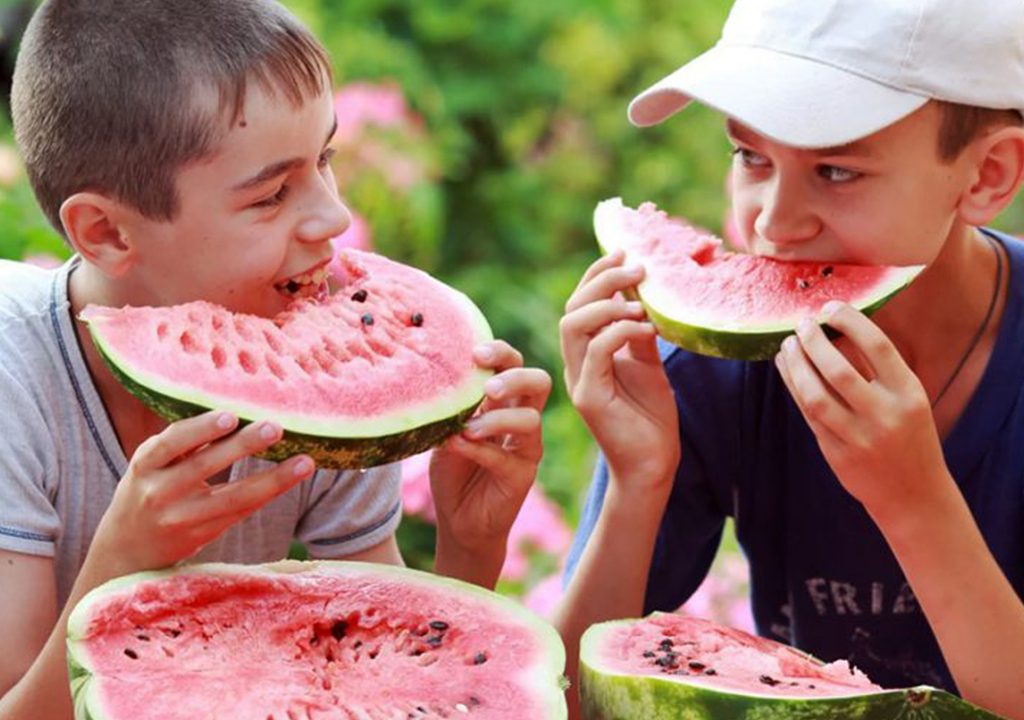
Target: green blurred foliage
523,131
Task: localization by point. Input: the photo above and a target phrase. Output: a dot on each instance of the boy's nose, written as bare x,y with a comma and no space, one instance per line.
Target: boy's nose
785,218
328,219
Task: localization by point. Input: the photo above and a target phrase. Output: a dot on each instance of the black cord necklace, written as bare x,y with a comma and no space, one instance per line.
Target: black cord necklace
984,323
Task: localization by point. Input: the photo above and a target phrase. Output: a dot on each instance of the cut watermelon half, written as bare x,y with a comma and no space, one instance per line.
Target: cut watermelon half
381,370
727,304
309,641
669,666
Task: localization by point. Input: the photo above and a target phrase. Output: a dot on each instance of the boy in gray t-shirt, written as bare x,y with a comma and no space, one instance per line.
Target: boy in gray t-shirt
182,150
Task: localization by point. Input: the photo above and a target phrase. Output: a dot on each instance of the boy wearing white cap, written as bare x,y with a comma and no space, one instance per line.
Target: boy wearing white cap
877,482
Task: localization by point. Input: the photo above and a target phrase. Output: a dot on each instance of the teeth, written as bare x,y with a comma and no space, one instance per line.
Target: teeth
315,278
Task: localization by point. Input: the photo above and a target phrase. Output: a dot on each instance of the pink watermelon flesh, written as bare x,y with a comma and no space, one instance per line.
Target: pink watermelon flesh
278,648
701,652
696,274
389,339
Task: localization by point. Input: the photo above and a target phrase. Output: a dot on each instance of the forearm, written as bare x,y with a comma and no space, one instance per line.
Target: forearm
480,565
954,576
44,690
610,580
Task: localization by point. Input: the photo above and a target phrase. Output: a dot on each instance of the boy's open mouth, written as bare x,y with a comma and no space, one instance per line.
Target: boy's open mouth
307,285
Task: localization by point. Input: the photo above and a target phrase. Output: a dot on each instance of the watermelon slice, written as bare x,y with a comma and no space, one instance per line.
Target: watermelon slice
315,641
670,666
381,370
728,304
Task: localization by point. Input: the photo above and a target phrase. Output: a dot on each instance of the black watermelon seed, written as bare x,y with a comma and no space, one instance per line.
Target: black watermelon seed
710,671
421,708
479,659
417,319
694,665
338,629
665,661
143,638
802,284
434,640
827,270
666,644
357,644
474,700
769,680
131,653
811,687
359,296
439,625
417,652
648,654
367,319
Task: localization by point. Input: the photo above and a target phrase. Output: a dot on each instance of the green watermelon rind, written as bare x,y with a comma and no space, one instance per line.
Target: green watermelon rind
544,679
338,443
607,694
753,341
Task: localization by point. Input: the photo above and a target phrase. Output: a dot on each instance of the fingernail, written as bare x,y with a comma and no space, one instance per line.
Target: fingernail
635,307
634,269
269,431
474,428
303,466
225,421
483,352
832,307
494,386
789,344
805,326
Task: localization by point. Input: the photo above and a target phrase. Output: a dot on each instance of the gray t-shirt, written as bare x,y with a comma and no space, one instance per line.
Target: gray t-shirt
60,459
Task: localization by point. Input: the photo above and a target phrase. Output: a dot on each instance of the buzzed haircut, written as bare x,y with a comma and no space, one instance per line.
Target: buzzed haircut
115,96
960,125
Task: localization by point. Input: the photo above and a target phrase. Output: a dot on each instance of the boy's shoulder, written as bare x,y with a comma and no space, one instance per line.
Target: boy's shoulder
26,292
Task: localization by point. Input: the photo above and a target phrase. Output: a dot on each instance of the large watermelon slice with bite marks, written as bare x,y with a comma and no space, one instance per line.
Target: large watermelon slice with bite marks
672,666
734,305
379,371
309,641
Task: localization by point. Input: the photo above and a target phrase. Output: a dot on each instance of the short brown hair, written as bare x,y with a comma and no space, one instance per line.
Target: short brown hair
108,94
960,125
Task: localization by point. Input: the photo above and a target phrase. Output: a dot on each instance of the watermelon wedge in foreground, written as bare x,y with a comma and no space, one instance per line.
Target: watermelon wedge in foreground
379,371
318,640
670,666
727,304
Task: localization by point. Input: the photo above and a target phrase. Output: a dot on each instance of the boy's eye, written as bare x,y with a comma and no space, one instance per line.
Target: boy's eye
275,199
837,174
749,158
325,157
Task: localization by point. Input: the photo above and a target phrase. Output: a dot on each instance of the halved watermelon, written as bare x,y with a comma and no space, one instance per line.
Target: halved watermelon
728,304
309,641
670,666
381,370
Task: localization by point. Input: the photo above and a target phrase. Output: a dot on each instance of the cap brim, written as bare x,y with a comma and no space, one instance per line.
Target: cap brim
790,99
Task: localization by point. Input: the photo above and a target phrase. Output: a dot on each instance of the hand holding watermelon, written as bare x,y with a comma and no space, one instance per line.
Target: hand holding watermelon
480,478
164,509
877,433
615,377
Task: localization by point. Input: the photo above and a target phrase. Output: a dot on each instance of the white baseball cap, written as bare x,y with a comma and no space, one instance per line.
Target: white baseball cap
818,73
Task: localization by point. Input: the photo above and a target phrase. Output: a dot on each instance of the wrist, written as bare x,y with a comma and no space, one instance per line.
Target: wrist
910,521
479,564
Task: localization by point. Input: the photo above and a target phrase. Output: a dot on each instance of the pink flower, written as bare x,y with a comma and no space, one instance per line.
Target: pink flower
539,526
416,496
360,104
358,235
544,596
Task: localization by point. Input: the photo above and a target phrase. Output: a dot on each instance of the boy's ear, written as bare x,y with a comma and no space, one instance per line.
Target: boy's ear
998,174
95,226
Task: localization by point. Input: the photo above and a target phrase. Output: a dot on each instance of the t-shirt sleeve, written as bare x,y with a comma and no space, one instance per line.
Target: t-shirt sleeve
29,522
691,528
351,511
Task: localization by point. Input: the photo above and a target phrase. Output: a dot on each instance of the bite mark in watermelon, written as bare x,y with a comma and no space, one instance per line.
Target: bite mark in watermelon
726,304
326,640
381,370
671,666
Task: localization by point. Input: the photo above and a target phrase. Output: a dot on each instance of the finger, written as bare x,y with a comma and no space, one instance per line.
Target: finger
182,437
597,369
870,341
822,433
579,326
604,285
250,440
519,387
615,257
226,504
503,421
497,355
816,401
837,372
496,460
645,349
